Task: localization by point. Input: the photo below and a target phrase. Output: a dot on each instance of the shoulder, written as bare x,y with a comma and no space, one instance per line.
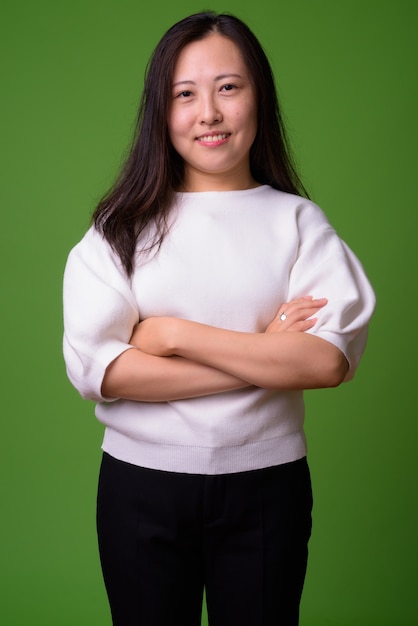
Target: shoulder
92,240
94,252
305,212
92,244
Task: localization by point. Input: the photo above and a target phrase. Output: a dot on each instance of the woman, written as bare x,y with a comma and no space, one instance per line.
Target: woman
207,295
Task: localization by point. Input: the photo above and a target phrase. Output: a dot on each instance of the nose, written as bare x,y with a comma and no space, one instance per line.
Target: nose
209,113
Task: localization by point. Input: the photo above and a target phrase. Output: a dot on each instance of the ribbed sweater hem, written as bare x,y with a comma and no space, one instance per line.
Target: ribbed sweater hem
204,460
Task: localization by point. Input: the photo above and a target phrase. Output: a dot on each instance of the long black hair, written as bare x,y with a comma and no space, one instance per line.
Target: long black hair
153,170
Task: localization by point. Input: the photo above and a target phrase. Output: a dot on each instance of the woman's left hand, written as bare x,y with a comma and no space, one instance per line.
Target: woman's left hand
296,315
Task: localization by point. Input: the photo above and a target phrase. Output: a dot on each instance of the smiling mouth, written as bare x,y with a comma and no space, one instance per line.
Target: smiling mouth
213,138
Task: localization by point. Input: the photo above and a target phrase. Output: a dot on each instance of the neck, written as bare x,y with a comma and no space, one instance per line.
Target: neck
202,181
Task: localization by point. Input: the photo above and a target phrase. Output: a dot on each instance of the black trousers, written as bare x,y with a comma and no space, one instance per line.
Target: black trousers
164,537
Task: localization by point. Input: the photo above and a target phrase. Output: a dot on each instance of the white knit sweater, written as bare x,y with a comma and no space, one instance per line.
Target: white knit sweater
229,260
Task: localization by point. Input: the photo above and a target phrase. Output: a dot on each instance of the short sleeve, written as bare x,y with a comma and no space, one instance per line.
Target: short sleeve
99,313
327,267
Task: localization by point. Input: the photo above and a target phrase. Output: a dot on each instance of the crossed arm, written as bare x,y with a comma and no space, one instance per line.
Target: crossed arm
174,359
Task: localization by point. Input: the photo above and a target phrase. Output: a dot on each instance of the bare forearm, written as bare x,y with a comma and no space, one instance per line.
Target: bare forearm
269,360
137,376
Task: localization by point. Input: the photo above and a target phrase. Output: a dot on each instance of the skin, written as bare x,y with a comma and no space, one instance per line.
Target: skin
212,125
214,360
213,115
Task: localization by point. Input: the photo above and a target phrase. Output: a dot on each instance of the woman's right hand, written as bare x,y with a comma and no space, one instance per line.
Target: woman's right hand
296,315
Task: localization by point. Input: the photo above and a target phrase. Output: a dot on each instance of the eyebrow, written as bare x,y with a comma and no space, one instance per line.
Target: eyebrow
217,78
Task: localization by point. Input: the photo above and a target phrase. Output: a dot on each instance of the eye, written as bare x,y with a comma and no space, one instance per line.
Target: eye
184,94
228,87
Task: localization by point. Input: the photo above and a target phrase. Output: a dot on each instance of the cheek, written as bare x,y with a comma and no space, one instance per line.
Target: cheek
181,117
245,115
175,124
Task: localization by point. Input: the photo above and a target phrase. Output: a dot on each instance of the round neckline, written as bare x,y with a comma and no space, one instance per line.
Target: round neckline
226,192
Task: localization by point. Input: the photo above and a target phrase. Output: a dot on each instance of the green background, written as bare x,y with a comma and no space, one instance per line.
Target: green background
71,79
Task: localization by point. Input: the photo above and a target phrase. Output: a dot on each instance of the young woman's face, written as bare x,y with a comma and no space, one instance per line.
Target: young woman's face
213,115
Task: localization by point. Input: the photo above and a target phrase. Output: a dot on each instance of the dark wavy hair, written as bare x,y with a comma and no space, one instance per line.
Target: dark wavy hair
153,170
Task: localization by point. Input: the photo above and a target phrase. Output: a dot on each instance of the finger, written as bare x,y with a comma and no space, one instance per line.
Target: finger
290,316
302,306
306,301
302,326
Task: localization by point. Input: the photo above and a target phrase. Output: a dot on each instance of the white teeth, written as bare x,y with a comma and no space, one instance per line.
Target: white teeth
210,138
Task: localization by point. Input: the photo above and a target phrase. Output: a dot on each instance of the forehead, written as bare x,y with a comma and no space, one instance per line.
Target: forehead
215,54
